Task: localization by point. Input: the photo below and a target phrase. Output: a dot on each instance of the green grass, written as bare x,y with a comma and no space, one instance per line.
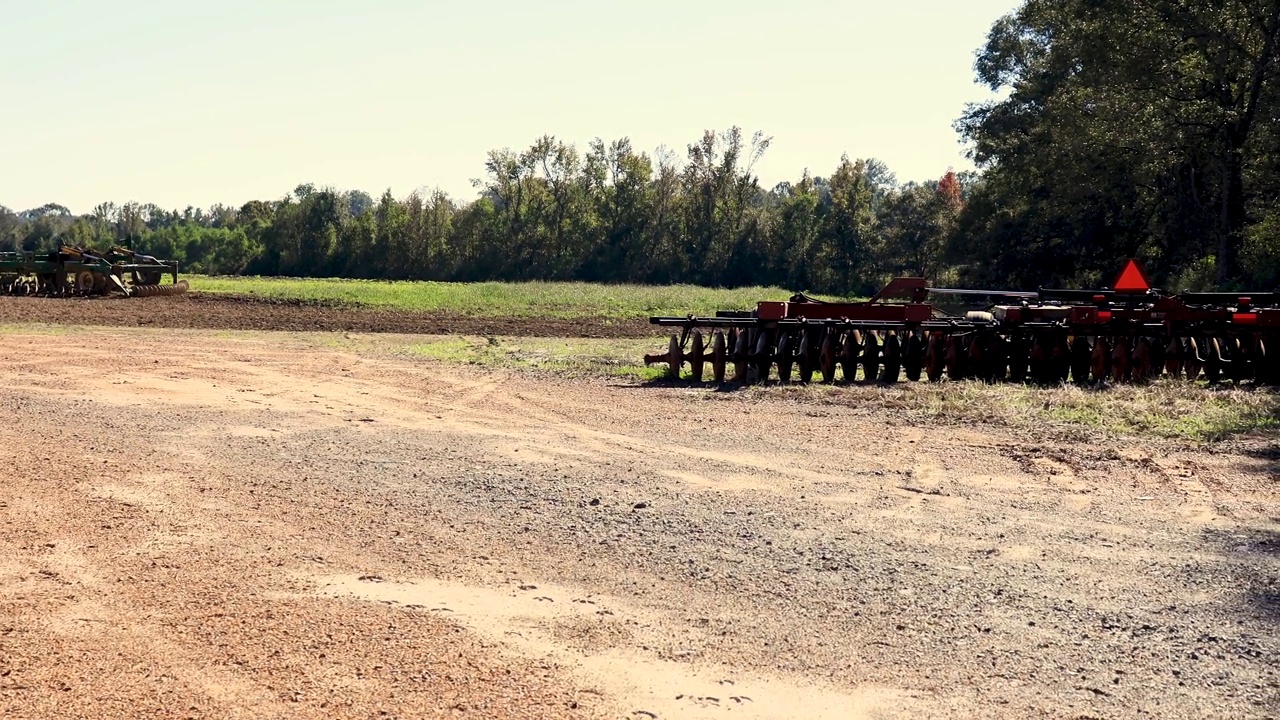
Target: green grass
561,300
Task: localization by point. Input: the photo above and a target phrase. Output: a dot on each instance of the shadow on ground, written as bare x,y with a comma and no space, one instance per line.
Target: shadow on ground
1252,565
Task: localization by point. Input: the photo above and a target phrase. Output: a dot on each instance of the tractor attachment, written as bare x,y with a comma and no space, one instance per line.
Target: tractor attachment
81,271
1130,332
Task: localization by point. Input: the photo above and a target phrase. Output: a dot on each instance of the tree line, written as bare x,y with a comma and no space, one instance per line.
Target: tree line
550,212
1146,129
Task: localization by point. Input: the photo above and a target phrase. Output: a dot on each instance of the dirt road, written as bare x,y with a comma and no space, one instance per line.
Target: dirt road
258,526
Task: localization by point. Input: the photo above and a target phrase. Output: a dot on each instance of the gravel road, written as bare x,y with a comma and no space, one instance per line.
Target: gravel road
254,525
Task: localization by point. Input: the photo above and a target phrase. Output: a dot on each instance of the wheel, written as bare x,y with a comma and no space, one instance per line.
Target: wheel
84,282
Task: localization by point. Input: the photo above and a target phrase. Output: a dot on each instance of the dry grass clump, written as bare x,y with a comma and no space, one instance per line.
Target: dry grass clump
1167,408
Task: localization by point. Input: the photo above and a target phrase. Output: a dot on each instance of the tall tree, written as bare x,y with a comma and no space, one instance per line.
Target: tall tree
1128,128
849,229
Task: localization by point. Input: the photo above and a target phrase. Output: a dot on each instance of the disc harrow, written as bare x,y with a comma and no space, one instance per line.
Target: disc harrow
77,271
1129,333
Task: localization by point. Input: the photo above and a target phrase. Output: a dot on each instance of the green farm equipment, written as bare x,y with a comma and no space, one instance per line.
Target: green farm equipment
82,271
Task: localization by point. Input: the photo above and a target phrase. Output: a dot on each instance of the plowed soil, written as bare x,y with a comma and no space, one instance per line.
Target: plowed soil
238,312
253,525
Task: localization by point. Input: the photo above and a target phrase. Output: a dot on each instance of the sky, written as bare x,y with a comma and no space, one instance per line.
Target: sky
182,104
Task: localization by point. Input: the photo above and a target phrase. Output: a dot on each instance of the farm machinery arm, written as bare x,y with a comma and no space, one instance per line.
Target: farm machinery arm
1129,332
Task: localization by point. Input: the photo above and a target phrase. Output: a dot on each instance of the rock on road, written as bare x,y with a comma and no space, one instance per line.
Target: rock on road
256,525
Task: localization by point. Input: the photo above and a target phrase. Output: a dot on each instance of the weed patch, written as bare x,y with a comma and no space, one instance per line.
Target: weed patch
557,300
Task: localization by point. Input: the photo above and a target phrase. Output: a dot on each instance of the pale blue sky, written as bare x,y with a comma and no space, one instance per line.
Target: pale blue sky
183,103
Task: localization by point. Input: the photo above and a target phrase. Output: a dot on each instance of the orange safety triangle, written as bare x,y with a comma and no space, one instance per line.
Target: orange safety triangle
1132,279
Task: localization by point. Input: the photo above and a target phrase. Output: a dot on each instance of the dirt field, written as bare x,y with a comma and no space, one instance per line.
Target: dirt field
255,525
234,312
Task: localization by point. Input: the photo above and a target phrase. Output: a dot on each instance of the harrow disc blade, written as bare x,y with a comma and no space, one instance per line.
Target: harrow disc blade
1142,367
697,356
740,357
786,360
870,359
1019,358
806,356
892,359
1192,351
914,357
1100,360
827,357
954,358
976,357
849,349
1236,359
1120,360
1211,354
1174,358
675,357
998,358
718,354
1080,356
935,357
760,360
1266,362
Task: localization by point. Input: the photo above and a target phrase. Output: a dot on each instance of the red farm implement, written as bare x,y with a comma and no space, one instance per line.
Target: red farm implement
1130,332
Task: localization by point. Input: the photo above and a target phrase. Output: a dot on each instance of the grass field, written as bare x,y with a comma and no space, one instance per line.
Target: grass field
494,299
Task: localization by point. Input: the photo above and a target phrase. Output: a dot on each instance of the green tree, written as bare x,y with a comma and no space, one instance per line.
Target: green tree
1129,128
917,221
848,238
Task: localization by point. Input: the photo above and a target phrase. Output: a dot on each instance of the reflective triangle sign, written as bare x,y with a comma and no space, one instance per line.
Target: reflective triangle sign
1132,279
